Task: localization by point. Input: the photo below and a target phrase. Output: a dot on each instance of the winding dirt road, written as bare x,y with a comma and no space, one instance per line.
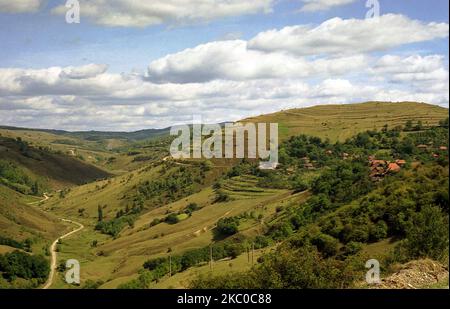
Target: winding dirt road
46,197
54,254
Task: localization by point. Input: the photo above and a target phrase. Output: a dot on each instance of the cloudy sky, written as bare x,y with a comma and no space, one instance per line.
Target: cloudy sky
132,64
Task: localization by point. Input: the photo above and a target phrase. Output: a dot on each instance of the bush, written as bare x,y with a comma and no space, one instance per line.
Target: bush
427,234
222,197
327,245
228,226
172,219
23,265
378,231
286,269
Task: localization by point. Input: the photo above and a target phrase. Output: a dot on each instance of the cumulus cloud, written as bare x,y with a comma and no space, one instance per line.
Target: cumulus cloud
322,5
86,71
132,13
343,36
232,60
414,68
20,6
109,101
230,80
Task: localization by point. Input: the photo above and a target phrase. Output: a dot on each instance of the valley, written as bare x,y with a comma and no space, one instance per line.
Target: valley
143,220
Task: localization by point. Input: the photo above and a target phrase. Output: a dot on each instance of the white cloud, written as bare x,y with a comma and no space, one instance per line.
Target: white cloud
232,60
344,36
86,71
322,5
20,6
133,13
233,79
107,101
414,68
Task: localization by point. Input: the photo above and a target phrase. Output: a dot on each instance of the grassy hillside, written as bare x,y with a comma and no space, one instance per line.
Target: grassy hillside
19,220
153,208
113,152
339,122
98,135
54,169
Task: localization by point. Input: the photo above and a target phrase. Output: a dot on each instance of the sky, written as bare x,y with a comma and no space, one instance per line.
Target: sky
131,65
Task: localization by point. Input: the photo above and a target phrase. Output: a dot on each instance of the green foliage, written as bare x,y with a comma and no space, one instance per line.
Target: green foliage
172,218
115,226
22,265
92,285
427,234
228,226
15,178
24,245
171,186
302,268
191,208
222,197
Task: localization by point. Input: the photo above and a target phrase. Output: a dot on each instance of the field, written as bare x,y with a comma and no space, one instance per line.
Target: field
339,122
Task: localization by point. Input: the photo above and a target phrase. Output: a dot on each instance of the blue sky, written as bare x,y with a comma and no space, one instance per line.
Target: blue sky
41,39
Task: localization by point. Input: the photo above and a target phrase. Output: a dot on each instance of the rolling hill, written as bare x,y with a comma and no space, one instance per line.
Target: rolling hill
54,169
126,215
339,122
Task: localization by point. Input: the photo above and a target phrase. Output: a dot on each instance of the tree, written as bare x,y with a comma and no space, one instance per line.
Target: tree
228,226
35,188
408,125
419,126
427,234
100,213
326,244
172,218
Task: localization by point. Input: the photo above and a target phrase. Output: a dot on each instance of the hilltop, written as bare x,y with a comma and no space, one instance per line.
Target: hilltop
339,122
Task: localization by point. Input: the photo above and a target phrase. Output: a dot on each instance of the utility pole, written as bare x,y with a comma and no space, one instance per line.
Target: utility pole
210,257
253,253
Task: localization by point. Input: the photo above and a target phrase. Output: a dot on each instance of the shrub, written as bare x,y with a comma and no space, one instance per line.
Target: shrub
172,219
228,226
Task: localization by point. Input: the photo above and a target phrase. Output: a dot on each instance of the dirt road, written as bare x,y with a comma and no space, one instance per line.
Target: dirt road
54,254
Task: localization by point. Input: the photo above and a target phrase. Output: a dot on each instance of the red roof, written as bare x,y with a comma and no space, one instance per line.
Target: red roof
394,167
378,162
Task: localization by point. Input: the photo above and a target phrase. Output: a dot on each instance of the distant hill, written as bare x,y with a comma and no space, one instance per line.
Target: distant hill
333,121
56,169
98,135
338,122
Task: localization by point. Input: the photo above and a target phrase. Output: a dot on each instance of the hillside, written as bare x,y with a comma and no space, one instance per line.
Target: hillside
312,208
53,169
20,219
339,122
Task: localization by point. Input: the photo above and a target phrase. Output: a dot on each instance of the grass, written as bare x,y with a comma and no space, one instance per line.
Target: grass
118,260
59,170
240,264
339,122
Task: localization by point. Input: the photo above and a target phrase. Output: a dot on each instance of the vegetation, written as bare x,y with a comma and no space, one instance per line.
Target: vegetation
312,222
22,265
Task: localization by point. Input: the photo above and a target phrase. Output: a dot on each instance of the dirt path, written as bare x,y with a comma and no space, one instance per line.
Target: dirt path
53,252
46,197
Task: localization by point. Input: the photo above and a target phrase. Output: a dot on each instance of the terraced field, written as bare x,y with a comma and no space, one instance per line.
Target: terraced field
338,122
245,187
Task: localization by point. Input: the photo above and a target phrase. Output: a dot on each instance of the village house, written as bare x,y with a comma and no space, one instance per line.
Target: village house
422,147
380,168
